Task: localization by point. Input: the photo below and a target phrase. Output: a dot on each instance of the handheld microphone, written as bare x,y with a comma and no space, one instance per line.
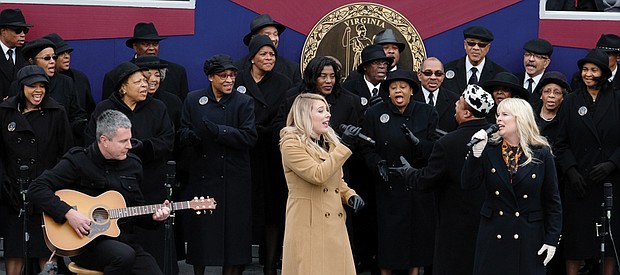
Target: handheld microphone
609,198
171,173
492,129
343,127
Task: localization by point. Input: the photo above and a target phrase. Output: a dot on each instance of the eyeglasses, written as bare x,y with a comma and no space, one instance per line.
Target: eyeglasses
20,30
555,92
224,76
48,58
536,56
430,73
379,63
480,44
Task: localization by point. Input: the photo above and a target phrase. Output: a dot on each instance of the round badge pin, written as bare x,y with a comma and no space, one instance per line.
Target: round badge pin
384,118
241,89
582,111
203,100
364,101
11,126
450,74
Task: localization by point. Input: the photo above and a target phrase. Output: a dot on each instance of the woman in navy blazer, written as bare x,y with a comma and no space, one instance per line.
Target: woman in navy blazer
521,217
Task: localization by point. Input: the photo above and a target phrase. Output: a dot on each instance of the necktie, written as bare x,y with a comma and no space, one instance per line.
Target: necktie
11,62
431,100
473,79
375,92
529,85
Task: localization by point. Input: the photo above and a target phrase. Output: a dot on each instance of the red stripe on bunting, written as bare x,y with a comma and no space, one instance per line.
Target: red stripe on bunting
91,22
576,33
429,17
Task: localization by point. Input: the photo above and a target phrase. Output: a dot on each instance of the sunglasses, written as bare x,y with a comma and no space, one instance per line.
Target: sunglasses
480,44
224,76
20,30
429,73
48,58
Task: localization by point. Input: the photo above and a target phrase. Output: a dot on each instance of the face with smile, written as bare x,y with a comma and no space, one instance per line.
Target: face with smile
325,81
265,59
320,118
222,83
476,50
590,74
552,96
400,94
49,65
134,89
34,94
153,81
272,32
116,147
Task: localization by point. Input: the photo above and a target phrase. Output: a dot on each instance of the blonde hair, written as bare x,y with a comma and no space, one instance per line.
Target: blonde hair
299,122
528,132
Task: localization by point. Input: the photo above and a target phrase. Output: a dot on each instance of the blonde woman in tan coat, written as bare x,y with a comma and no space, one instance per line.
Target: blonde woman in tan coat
315,236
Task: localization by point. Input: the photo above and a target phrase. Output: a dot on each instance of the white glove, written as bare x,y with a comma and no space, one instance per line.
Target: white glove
479,147
550,253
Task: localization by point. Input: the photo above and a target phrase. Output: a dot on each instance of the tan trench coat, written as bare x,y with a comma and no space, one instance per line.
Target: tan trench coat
315,235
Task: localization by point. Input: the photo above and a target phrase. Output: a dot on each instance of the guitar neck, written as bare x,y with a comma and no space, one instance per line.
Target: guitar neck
144,209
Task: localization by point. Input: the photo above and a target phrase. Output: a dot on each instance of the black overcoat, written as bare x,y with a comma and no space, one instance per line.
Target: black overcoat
518,216
458,82
220,168
284,66
445,108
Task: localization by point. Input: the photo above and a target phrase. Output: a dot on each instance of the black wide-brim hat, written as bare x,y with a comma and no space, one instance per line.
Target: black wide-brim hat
609,43
372,53
260,22
34,47
597,57
145,32
552,77
123,71
508,80
258,42
403,75
149,61
387,36
61,45
13,18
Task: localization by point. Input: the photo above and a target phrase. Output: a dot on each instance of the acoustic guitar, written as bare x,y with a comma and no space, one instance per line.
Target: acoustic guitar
104,212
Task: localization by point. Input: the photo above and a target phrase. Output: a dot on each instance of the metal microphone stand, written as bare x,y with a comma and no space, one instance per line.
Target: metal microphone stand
24,180
605,220
170,182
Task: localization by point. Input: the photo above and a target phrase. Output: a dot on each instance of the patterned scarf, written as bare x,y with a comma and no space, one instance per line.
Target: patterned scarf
511,156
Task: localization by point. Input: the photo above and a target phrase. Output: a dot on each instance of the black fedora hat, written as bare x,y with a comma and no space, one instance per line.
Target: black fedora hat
260,22
31,74
61,45
403,75
372,53
144,31
387,36
552,77
258,42
150,61
597,57
609,43
508,80
34,47
13,18
123,71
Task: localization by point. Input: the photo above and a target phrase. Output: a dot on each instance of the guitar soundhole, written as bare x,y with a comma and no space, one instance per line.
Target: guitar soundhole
100,216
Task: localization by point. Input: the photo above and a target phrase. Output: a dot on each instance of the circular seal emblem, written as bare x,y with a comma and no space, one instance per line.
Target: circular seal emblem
203,100
364,101
582,111
241,89
450,74
345,31
11,126
384,118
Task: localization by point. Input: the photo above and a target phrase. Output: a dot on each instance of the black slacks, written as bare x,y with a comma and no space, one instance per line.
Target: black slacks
116,257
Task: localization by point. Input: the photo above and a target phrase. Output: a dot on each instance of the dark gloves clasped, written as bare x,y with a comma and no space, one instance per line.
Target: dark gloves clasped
576,182
349,136
600,171
356,202
212,127
383,170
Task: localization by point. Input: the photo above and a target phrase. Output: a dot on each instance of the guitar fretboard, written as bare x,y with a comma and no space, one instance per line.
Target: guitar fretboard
144,209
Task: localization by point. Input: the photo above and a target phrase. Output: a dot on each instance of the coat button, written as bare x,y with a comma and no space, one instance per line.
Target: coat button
325,190
533,176
19,140
32,141
525,196
340,215
493,170
501,213
516,236
222,177
499,237
327,215
204,156
337,190
222,157
517,214
496,193
32,161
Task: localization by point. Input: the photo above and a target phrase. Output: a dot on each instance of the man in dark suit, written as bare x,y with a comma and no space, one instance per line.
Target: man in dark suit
145,40
264,25
457,210
13,30
474,67
431,76
391,46
536,59
374,69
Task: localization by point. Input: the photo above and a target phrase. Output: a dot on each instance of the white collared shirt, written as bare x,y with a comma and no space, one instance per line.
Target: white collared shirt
613,74
535,83
468,67
5,49
371,86
427,92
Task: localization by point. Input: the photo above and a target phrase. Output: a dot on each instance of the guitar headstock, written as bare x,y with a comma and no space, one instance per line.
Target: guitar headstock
201,204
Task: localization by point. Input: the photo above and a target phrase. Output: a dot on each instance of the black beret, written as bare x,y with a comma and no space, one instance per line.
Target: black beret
539,46
34,47
219,63
478,32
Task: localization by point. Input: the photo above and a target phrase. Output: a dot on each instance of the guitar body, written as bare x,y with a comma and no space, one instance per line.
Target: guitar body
62,237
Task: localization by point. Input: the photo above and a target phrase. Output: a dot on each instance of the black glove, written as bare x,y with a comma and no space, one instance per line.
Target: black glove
404,170
212,127
349,136
375,100
356,203
410,136
576,182
192,137
136,145
600,171
383,170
